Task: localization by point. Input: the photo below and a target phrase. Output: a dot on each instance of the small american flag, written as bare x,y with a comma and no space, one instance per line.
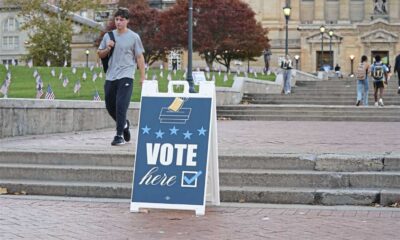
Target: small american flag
13,62
35,73
53,72
39,92
61,75
225,78
65,82
74,70
77,86
94,77
101,75
4,88
91,68
84,76
96,96
30,63
169,77
49,94
65,63
48,63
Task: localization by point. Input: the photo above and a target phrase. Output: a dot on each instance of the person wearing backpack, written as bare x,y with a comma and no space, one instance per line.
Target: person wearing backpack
362,81
125,53
379,74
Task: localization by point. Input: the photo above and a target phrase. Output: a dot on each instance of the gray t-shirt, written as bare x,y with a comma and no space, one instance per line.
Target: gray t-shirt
122,63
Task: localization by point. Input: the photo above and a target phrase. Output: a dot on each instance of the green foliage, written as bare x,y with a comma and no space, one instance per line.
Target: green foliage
50,29
23,84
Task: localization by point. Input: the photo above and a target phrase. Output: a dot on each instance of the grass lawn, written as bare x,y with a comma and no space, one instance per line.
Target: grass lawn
23,84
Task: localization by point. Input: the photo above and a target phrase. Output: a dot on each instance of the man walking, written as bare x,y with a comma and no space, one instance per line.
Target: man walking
118,87
397,70
379,74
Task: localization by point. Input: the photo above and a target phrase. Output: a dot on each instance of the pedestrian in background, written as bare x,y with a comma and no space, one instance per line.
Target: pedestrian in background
397,70
379,74
286,65
118,87
362,81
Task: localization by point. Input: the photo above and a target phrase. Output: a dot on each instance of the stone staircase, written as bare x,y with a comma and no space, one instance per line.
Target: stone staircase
332,100
288,179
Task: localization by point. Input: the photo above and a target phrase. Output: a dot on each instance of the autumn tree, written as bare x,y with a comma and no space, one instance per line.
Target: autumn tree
223,30
49,28
145,21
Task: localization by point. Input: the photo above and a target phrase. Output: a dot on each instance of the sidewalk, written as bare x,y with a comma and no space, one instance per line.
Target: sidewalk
60,218
243,137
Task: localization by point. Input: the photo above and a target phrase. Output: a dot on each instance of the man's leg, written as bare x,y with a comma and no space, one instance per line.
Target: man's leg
398,76
110,92
124,93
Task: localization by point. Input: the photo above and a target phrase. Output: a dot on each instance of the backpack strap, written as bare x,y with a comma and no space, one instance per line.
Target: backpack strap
111,35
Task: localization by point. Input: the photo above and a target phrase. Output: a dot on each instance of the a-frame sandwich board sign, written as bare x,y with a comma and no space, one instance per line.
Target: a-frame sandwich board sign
176,161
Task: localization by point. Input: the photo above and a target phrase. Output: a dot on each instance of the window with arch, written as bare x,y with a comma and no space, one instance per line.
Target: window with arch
10,25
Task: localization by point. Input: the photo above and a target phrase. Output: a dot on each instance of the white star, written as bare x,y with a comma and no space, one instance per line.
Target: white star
159,134
187,135
174,130
146,130
202,131
167,198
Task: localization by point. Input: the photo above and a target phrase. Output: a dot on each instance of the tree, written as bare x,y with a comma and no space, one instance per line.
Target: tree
145,21
50,29
224,30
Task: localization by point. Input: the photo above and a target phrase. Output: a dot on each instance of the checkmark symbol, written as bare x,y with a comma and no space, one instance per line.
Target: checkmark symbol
192,179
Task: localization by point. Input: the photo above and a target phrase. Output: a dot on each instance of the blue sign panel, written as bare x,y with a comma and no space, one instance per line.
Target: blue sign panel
172,151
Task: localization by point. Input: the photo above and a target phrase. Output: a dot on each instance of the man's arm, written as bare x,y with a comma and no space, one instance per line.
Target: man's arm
102,53
140,63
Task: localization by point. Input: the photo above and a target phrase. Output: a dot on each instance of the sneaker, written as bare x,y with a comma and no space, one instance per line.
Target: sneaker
381,102
358,103
127,134
376,104
118,140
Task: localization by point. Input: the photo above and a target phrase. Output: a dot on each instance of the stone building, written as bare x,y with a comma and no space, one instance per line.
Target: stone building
359,27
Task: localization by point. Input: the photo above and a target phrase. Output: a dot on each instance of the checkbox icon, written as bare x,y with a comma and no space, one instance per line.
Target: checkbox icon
189,178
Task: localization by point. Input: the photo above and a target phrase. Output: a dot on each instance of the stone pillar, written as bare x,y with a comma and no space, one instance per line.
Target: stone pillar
319,11
368,10
344,11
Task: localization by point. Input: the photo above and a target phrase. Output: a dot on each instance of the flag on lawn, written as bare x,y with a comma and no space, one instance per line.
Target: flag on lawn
96,96
35,73
225,77
4,88
65,63
169,77
39,82
48,63
91,68
8,76
39,92
30,63
61,76
53,72
213,78
94,77
219,72
49,94
154,77
74,70
101,74
255,74
161,74
6,66
174,72
161,67
84,76
13,62
65,82
77,86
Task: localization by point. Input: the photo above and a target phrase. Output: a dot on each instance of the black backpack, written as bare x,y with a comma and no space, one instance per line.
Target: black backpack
105,60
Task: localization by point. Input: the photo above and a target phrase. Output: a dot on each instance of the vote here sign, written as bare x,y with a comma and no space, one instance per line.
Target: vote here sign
172,151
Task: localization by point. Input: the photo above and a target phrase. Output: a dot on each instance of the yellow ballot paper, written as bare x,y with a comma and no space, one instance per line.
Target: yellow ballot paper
176,105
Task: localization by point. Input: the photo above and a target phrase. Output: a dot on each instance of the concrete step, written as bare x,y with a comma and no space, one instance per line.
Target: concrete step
298,112
322,101
306,118
314,196
312,179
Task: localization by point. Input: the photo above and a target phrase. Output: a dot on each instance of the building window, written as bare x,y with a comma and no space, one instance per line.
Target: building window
10,25
356,10
307,11
10,42
332,11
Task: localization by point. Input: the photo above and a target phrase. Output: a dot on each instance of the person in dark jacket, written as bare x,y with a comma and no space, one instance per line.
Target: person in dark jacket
397,70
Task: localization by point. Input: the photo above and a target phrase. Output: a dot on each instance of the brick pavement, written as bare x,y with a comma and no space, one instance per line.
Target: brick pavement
244,137
61,218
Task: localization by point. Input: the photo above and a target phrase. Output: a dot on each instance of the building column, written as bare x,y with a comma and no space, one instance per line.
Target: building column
319,11
344,11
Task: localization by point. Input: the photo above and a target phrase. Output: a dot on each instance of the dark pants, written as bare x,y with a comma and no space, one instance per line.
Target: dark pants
117,97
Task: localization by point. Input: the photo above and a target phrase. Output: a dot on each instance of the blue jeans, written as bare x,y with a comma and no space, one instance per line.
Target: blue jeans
287,79
362,91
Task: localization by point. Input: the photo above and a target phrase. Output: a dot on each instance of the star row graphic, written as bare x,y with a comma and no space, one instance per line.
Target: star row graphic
173,131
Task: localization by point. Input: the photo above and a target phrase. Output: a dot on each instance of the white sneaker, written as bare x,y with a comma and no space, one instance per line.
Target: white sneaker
381,102
376,104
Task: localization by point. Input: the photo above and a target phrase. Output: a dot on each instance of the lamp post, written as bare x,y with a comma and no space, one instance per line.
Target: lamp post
297,57
351,61
322,30
286,12
330,33
189,76
87,57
